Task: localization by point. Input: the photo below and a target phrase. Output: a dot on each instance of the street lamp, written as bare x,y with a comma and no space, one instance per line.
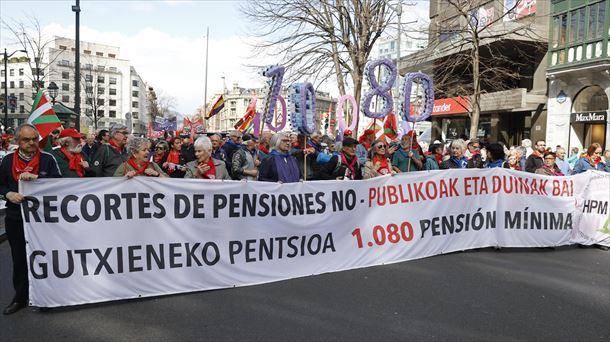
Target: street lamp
6,56
53,90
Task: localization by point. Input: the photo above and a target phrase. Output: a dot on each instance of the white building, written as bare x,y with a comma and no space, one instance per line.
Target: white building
110,86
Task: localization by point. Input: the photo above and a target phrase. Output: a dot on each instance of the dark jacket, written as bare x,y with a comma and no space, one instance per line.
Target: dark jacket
188,152
63,164
311,163
533,163
106,159
47,169
476,162
334,169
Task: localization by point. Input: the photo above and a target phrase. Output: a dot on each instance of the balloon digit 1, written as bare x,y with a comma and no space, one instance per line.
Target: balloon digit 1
340,112
405,108
302,101
377,89
275,73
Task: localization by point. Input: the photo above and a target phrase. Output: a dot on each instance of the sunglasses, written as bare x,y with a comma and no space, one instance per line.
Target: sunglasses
160,148
380,146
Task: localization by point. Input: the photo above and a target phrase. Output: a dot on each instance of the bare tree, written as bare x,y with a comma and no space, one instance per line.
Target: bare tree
93,83
160,104
28,36
321,39
471,58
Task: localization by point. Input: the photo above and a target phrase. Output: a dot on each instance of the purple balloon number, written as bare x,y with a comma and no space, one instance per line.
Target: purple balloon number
405,108
340,111
275,73
284,117
303,105
377,89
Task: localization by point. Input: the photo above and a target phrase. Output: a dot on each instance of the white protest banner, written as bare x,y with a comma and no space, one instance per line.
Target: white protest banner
93,240
592,202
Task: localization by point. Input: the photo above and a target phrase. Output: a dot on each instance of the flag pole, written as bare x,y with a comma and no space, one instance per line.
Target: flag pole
205,90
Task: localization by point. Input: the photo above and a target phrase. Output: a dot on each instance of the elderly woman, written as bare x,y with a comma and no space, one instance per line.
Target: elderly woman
138,164
591,160
281,166
457,159
377,164
549,168
512,161
204,166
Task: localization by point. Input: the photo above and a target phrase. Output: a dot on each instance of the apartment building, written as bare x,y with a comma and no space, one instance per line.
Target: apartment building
512,48
579,73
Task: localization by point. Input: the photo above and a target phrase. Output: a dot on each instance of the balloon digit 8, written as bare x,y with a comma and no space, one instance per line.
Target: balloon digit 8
377,89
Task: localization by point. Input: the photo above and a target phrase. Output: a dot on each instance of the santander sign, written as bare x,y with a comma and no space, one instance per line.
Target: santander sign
454,105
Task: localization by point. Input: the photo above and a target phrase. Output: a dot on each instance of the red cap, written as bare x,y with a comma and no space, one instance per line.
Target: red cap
70,132
412,134
347,133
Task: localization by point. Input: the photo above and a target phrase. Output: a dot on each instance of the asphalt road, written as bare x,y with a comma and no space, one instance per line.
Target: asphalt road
510,295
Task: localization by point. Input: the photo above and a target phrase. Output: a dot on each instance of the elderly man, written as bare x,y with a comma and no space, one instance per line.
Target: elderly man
25,164
245,162
231,145
108,157
561,161
217,152
407,157
263,145
344,165
88,146
457,159
71,160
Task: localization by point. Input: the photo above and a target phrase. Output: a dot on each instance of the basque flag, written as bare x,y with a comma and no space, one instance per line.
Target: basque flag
43,116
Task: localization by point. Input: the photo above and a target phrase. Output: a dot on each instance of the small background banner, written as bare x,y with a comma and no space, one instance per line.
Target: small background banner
95,240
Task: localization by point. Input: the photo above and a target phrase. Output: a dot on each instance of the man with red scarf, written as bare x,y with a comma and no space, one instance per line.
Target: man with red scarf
25,164
108,157
71,160
344,165
535,160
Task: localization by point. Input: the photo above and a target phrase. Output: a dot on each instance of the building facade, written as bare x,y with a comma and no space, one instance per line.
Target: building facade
579,74
110,86
237,100
512,54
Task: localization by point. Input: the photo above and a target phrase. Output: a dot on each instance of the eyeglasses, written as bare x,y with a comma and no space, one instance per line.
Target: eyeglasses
285,140
123,132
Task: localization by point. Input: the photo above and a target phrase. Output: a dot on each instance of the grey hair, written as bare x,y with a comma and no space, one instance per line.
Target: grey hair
203,142
521,150
276,140
135,143
216,135
526,143
235,133
338,145
21,127
116,127
163,143
459,143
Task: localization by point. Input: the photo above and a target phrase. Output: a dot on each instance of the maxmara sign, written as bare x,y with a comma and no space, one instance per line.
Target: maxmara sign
589,117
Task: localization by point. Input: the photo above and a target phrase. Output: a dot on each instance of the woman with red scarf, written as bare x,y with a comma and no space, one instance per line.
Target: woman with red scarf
513,162
204,166
160,154
138,164
175,163
377,164
549,168
70,159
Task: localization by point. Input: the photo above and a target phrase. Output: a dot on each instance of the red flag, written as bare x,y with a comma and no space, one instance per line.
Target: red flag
390,127
246,121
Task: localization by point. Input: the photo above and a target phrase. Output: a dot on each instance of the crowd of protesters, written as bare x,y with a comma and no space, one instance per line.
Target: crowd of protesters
280,157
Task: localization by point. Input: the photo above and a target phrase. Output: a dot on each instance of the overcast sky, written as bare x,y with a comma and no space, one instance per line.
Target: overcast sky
164,40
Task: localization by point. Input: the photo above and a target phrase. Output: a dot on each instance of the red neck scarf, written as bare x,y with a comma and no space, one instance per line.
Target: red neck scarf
211,174
157,158
139,170
74,163
537,154
115,146
439,158
383,161
174,158
263,148
20,166
350,165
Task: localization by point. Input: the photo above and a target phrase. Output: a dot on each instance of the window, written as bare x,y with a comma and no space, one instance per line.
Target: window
88,66
65,75
112,113
21,85
113,69
135,115
21,109
100,102
101,90
64,62
65,98
12,84
3,84
37,71
112,91
100,113
135,83
134,104
112,80
2,73
100,79
87,52
88,111
89,90
88,78
65,86
100,54
111,55
21,96
101,68
89,101
62,47
135,93
21,73
11,72
112,103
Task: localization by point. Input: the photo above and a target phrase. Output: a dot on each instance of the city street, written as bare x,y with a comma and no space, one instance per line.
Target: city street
507,295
